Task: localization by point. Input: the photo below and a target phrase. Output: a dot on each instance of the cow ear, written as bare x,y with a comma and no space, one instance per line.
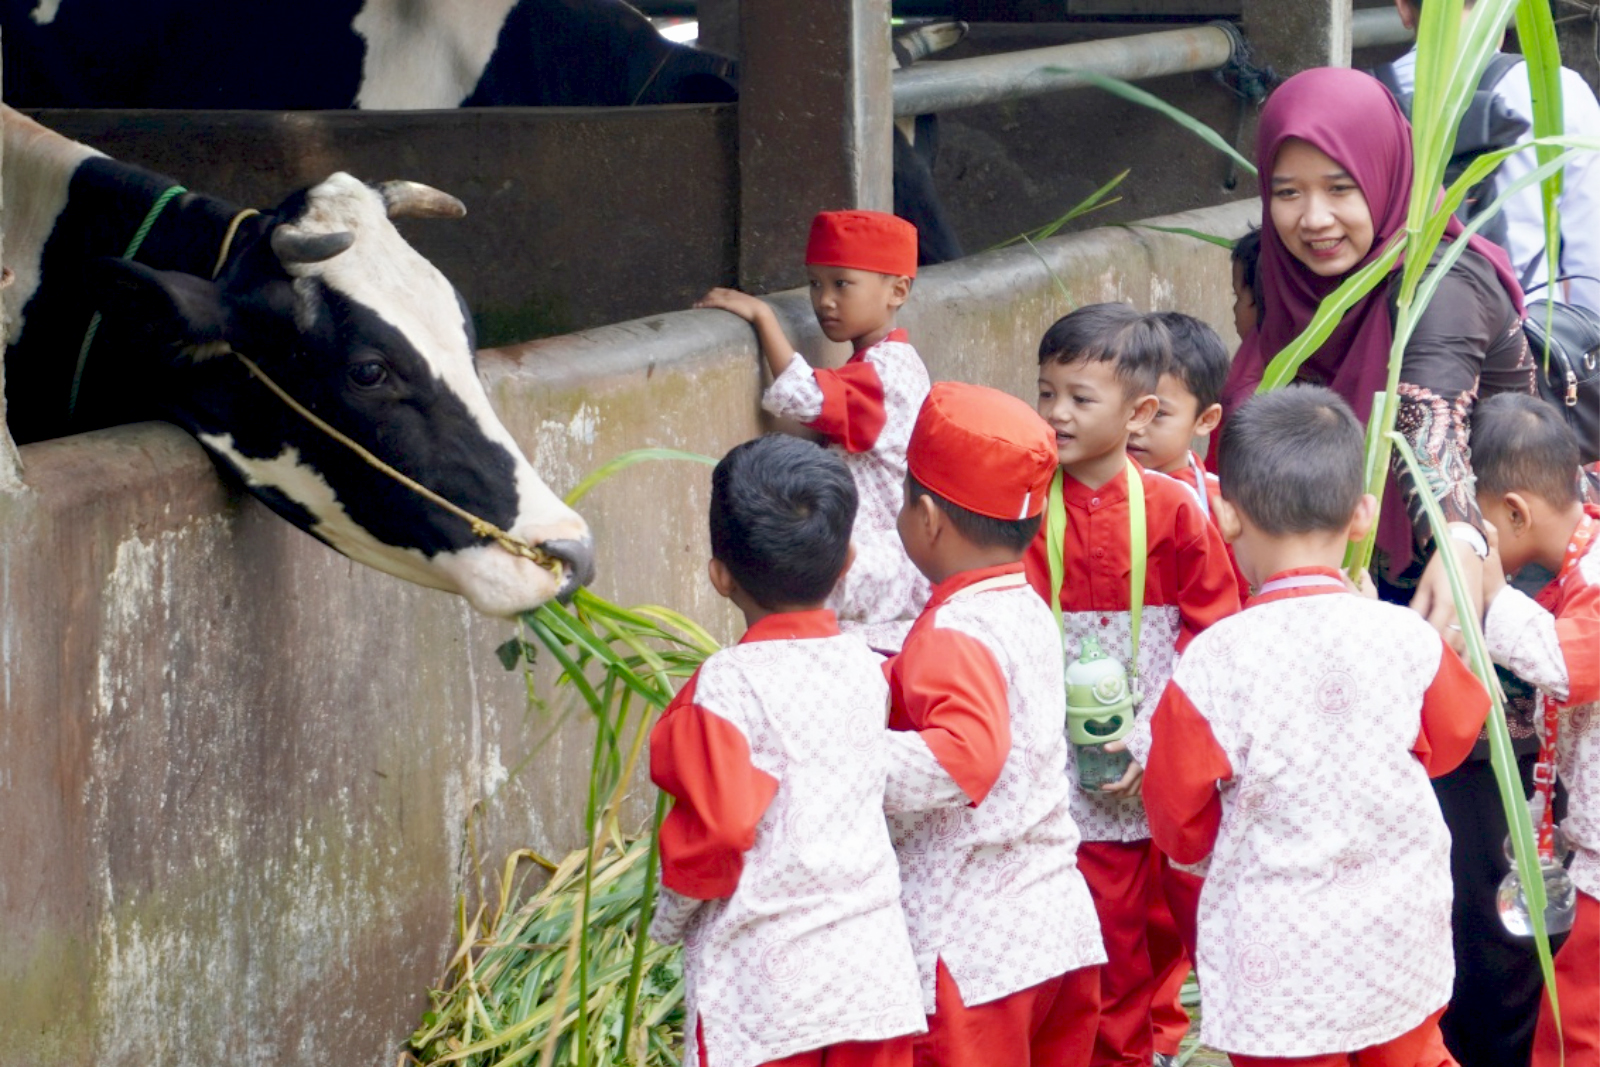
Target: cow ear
167,307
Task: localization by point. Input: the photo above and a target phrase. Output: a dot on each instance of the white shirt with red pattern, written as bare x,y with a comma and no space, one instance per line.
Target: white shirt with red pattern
977,793
1189,585
866,410
1293,746
776,866
1554,643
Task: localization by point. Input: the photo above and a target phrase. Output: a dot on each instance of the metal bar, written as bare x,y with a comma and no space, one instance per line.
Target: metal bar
942,85
1376,26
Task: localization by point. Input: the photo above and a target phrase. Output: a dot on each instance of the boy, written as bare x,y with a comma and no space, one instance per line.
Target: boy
777,871
1246,260
860,266
1190,393
1098,372
1004,931
1525,457
1293,748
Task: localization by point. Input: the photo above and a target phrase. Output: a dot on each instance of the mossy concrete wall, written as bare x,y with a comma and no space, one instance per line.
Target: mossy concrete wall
243,779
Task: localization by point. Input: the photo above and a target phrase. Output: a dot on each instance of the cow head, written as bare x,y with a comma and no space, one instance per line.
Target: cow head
334,306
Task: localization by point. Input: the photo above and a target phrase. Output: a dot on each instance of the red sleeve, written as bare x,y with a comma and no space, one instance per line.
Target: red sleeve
1578,633
1453,710
1180,779
852,406
948,687
703,761
1208,587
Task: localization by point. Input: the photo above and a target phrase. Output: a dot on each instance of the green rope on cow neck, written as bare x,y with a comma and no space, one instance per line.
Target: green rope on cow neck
94,322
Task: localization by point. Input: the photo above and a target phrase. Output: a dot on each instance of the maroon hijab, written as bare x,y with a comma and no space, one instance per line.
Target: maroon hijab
1352,119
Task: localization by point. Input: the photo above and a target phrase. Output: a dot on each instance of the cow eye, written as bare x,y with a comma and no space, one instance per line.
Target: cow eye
369,374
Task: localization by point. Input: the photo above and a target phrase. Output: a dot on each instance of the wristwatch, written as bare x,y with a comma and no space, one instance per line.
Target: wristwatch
1472,537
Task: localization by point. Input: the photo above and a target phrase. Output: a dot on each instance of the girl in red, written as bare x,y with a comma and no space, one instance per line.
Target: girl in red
776,868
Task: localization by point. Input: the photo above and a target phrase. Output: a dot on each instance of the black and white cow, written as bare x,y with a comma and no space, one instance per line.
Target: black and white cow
385,55
328,299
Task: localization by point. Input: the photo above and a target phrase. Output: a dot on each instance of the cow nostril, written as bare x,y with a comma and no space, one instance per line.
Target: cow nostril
579,558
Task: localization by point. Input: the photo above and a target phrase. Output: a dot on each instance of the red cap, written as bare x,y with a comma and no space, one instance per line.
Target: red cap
984,450
863,240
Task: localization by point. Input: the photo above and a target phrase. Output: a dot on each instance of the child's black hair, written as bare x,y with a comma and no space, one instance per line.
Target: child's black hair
1199,358
1012,534
1292,461
1520,444
1246,255
781,513
1136,345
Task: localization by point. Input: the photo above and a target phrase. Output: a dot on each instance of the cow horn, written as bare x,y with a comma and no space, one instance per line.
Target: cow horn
297,246
413,200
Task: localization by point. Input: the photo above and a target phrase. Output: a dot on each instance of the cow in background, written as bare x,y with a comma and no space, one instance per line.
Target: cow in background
324,295
386,55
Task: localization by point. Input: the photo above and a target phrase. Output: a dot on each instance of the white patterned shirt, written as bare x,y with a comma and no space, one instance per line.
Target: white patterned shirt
866,409
1294,746
978,792
777,870
1554,644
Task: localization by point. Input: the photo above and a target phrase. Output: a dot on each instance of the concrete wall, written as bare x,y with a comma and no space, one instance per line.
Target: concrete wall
243,779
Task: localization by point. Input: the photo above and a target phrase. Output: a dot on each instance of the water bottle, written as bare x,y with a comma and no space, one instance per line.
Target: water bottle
1560,895
1099,710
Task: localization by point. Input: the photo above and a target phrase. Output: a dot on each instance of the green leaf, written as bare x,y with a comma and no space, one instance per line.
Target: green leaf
629,459
510,653
1133,94
1093,202
1184,231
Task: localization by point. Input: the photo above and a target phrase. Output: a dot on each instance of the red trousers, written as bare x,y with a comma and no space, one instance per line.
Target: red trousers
895,1052
1051,1024
1120,876
1174,907
1578,990
1422,1047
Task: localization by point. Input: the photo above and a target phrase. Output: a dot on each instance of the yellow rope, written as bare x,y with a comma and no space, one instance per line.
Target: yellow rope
480,527
227,240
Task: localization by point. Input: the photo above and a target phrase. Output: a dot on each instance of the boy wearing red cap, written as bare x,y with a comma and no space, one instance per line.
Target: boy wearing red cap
860,265
1099,368
777,871
1001,921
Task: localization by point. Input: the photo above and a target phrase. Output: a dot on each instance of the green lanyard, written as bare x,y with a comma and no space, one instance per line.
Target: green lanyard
1138,548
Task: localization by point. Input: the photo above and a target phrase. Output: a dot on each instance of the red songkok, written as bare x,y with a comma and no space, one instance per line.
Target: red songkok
863,240
983,450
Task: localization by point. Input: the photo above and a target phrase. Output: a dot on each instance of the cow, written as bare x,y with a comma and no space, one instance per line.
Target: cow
386,55
326,300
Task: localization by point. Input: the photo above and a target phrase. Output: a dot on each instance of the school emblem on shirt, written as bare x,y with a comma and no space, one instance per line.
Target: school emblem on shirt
1258,964
1579,722
781,963
1335,692
1354,870
1258,798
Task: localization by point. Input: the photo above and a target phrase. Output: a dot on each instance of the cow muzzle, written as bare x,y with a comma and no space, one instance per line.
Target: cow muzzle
577,560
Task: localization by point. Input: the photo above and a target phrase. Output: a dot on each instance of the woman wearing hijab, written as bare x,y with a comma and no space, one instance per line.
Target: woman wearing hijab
1335,168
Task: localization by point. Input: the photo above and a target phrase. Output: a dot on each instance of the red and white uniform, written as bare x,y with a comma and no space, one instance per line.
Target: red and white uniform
1294,746
1188,586
1554,643
1207,489
977,798
866,410
776,866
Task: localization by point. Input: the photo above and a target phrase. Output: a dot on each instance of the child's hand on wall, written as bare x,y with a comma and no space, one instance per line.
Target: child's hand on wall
744,305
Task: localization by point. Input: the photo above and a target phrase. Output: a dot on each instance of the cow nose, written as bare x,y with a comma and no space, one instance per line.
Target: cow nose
579,558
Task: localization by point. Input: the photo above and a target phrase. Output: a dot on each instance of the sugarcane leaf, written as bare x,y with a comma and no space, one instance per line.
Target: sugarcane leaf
1093,202
1501,755
629,459
1135,95
1183,231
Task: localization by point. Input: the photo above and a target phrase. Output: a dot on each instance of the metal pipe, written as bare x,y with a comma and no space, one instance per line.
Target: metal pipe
1376,26
942,85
